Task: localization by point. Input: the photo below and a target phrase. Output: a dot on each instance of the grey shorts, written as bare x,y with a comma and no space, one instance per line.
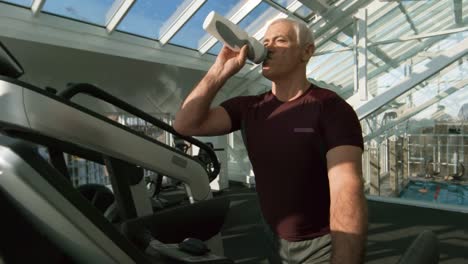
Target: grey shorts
317,250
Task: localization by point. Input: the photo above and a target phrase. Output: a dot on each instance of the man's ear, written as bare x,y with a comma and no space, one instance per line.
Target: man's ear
308,51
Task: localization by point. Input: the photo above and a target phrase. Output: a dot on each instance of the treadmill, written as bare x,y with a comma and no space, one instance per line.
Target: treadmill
39,191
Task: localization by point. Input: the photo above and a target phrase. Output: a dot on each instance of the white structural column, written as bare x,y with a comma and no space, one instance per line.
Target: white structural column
437,64
178,20
360,54
117,12
36,6
458,12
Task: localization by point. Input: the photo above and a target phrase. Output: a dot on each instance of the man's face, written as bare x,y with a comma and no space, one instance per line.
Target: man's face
284,51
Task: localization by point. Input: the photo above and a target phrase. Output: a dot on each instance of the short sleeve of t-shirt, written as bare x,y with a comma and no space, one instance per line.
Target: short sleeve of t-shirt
339,123
235,108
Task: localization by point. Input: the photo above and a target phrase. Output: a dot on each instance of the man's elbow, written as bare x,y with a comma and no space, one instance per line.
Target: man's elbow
181,129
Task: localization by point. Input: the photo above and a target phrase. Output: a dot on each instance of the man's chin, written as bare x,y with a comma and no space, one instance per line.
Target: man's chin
267,73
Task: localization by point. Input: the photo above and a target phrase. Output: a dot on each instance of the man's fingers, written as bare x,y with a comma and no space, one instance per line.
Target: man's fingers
243,53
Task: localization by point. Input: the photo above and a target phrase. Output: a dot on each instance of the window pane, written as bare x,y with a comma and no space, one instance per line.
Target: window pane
334,69
442,94
26,3
90,11
216,48
283,3
147,17
304,12
413,18
254,21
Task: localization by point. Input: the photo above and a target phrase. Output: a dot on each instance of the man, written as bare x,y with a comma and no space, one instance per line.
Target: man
304,143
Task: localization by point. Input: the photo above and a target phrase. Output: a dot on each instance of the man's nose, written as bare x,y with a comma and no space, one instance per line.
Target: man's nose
267,44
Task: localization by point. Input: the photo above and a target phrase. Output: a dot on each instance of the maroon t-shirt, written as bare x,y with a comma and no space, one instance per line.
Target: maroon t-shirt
287,143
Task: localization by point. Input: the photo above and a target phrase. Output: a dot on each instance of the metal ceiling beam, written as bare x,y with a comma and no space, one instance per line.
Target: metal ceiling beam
334,20
289,10
388,23
116,13
437,64
37,6
347,15
408,18
376,51
360,54
235,18
458,12
414,111
179,19
372,47
421,36
405,56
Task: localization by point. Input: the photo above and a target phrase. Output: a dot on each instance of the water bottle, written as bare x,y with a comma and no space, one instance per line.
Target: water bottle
234,37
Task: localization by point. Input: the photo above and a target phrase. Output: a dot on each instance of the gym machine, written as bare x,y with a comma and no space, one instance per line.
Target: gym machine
40,191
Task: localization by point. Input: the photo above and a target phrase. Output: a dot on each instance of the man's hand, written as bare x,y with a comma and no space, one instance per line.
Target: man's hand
229,62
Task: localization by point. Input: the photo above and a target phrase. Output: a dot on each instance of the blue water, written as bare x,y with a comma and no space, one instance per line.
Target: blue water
437,192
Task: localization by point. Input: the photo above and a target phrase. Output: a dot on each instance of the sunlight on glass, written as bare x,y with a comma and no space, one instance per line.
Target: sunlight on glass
441,92
334,68
90,11
113,10
418,17
26,3
147,17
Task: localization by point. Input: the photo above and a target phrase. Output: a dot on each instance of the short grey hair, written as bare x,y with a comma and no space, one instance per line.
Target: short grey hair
303,32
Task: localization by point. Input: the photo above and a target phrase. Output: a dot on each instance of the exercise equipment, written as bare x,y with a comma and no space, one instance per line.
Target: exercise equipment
33,118
423,250
100,196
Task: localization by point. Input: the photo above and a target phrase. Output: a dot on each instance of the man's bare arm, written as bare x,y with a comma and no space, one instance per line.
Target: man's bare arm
348,208
195,117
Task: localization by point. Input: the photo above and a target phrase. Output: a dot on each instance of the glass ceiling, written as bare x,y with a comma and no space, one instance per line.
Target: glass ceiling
402,36
152,13
422,105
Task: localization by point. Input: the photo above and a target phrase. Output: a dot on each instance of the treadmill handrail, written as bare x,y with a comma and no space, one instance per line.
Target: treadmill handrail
92,90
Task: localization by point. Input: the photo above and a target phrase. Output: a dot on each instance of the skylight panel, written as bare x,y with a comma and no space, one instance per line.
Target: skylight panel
305,13
26,3
283,3
192,32
147,17
255,23
90,11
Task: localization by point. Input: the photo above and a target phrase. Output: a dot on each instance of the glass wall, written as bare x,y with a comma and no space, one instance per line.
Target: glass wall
416,145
